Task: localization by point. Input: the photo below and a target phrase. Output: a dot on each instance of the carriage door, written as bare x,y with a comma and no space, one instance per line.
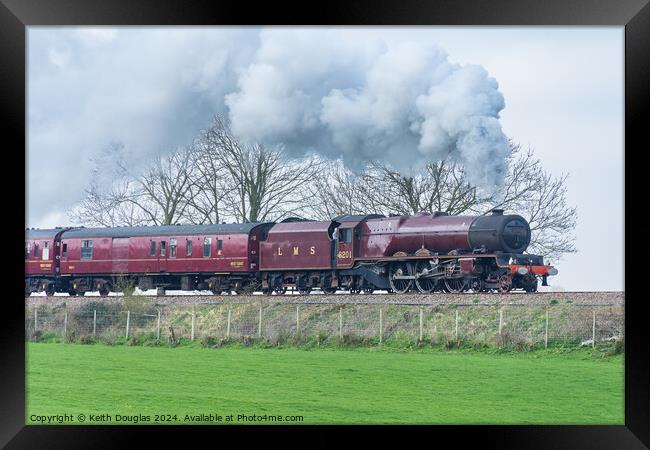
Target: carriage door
120,255
345,247
162,256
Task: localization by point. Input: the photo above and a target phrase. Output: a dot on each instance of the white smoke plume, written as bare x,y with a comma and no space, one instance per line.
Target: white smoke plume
404,104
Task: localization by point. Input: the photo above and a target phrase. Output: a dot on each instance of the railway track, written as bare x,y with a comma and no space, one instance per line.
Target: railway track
511,298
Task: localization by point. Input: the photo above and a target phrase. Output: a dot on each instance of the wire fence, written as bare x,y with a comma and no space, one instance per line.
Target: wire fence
519,326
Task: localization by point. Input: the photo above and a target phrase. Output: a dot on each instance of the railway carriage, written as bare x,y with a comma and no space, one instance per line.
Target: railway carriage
216,257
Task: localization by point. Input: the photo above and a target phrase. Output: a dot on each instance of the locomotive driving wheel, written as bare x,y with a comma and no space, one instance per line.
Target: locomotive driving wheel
397,270
455,285
424,285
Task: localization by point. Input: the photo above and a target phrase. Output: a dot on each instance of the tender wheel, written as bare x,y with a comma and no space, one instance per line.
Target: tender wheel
424,285
505,284
280,290
400,269
455,285
304,290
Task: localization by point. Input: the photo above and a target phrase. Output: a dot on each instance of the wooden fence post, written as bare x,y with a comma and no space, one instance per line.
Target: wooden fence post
128,321
456,324
65,324
546,330
421,335
593,330
297,320
35,318
500,320
341,322
381,324
192,333
259,327
94,323
158,327
228,326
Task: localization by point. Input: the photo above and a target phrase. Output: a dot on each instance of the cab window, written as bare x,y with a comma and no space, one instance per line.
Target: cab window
345,235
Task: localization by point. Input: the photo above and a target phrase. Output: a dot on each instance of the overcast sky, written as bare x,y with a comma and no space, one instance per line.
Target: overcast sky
348,92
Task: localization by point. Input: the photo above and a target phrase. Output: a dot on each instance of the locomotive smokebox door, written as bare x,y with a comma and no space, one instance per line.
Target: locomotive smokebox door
345,248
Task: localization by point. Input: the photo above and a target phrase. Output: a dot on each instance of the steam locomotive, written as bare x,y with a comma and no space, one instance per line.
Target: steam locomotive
361,253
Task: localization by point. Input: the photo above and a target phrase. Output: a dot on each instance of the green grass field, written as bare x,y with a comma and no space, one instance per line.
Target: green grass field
328,386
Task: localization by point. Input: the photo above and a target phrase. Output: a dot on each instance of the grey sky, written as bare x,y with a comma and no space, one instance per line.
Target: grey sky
153,88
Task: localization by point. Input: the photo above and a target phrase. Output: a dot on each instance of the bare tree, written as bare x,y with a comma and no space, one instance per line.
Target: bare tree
157,196
337,191
262,183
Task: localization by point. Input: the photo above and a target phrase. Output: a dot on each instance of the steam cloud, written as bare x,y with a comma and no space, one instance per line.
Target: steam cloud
405,104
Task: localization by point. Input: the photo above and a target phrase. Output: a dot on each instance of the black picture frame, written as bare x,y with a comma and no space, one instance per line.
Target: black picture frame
16,15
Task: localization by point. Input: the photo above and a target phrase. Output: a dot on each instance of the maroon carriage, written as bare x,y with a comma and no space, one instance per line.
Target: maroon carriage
216,257
41,259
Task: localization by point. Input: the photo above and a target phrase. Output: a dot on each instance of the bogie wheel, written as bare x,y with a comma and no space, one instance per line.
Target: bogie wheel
368,290
72,293
477,285
531,285
424,285
304,290
455,285
280,290
104,290
505,284
49,289
400,269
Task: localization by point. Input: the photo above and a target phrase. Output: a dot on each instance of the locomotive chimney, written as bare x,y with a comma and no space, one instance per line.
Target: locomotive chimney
497,212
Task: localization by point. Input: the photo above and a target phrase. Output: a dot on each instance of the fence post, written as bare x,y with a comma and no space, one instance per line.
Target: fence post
94,323
35,318
259,327
500,320
546,330
158,327
192,334
128,321
456,324
341,322
297,320
593,330
65,324
420,340
228,326
381,324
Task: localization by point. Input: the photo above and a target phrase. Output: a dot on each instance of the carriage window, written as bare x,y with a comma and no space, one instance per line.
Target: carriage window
219,244
86,249
35,250
64,250
153,248
172,248
207,247
27,249
163,246
188,249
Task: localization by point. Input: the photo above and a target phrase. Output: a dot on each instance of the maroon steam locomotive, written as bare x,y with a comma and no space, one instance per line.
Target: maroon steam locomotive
425,253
